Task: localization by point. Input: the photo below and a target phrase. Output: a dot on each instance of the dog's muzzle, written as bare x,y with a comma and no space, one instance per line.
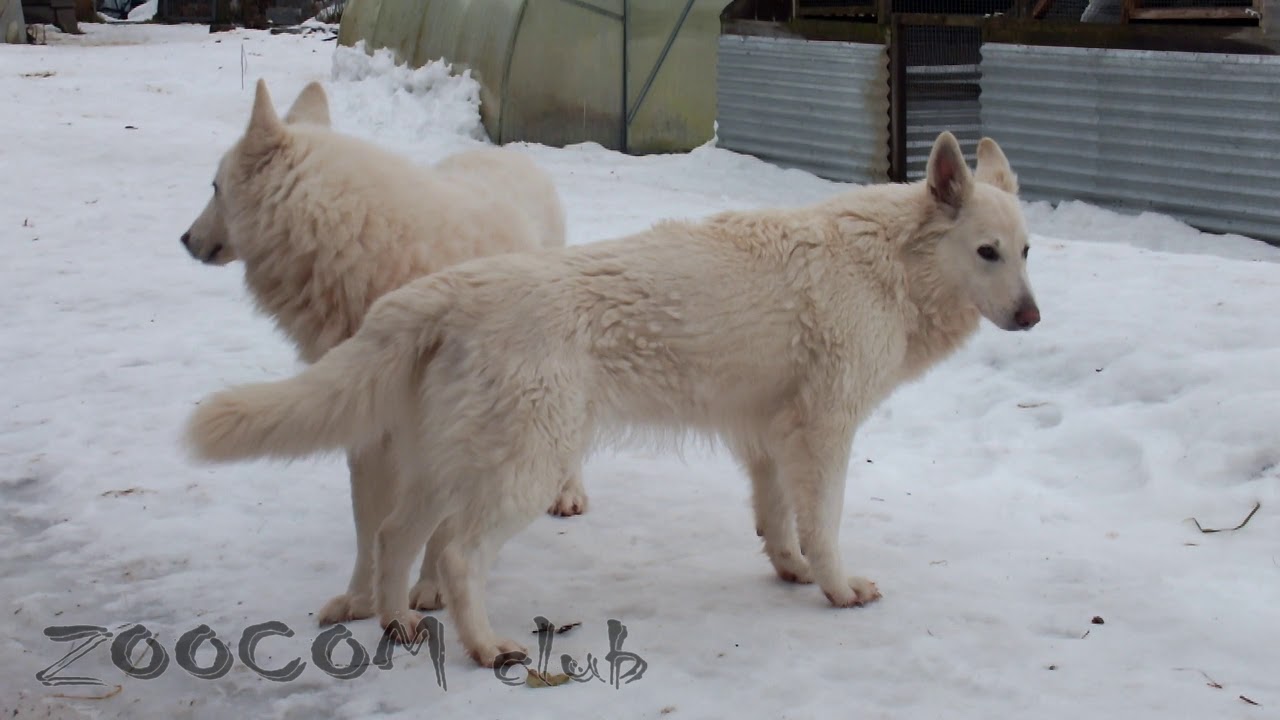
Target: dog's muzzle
210,258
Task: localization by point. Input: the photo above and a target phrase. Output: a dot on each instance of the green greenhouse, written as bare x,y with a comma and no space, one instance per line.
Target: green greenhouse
631,76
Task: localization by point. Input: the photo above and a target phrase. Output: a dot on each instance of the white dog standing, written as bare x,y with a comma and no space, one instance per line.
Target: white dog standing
326,224
778,331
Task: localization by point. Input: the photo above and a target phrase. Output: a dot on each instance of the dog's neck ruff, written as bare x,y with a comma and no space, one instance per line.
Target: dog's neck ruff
940,319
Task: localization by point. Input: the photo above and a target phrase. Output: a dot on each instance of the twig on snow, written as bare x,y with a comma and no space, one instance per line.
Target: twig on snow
1256,506
1210,681
563,628
116,691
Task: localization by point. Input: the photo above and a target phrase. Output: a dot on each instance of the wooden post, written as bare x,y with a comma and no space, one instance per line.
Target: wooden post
897,102
221,16
86,12
1268,9
253,14
884,11
1041,9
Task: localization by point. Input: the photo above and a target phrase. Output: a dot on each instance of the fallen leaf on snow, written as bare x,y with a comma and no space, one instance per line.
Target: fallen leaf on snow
537,679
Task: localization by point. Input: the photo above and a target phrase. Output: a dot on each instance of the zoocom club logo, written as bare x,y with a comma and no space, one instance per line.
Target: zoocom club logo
135,651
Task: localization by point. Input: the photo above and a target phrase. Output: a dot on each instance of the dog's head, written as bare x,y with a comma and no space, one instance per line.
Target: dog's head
208,239
983,250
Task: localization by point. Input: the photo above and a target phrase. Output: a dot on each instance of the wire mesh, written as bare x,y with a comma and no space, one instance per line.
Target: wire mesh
942,89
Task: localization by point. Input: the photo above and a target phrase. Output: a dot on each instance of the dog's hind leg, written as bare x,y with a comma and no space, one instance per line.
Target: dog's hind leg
814,463
373,491
775,516
420,509
494,513
463,566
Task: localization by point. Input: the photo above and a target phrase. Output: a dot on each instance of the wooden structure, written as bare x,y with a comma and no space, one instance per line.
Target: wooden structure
1246,13
933,45
1229,29
59,13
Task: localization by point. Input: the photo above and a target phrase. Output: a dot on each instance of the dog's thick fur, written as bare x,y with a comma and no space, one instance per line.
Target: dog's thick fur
326,224
777,331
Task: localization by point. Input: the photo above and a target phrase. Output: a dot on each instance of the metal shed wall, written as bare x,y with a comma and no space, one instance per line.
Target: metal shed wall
813,105
1193,135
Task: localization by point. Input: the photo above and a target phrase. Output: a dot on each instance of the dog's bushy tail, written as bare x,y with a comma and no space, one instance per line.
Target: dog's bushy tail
346,399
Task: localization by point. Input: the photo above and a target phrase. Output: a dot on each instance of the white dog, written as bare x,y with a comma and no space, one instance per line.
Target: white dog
778,331
326,224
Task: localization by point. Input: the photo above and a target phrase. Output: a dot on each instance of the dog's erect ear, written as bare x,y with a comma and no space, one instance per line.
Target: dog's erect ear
265,130
947,174
312,106
993,167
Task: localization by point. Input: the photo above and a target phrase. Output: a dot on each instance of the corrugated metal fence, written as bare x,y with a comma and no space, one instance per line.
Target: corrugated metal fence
1194,135
817,106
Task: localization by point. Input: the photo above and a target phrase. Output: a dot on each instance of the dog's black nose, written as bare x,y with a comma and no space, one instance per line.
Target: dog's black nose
186,240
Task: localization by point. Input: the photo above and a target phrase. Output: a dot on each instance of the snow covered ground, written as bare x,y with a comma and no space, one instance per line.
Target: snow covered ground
1029,484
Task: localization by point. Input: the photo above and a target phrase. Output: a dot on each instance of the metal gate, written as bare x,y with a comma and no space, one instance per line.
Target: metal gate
940,86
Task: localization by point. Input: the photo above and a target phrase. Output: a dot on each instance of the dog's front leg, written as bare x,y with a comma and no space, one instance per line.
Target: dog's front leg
774,513
428,592
572,499
814,465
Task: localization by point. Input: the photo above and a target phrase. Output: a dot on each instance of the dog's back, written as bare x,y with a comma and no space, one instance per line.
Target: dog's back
503,181
360,221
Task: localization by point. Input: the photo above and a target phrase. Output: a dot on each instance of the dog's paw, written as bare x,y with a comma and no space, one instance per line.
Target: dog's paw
486,654
426,595
404,626
859,592
345,608
569,502
792,568
800,576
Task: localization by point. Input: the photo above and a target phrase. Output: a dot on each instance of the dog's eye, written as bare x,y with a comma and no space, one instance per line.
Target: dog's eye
988,253
215,187
1025,251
